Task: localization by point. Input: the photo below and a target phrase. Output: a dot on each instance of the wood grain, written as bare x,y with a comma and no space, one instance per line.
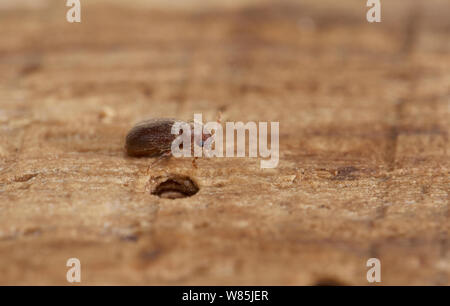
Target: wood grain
364,121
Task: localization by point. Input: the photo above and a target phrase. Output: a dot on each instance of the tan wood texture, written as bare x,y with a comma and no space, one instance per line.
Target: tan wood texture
364,121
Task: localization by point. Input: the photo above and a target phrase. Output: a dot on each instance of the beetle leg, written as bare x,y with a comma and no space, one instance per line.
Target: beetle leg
194,164
164,156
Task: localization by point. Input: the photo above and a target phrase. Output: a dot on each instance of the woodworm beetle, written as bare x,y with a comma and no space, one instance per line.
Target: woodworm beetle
153,138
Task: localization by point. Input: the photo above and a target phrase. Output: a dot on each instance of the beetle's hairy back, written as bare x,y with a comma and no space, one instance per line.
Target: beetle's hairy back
150,138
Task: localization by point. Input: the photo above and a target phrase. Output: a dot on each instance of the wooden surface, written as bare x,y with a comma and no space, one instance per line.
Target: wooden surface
364,121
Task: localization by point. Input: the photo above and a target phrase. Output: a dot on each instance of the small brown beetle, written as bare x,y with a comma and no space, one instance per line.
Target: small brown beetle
153,138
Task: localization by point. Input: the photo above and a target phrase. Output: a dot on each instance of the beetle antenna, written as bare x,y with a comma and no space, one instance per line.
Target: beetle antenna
219,117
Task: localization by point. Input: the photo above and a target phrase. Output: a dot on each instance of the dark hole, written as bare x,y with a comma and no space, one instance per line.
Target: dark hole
176,187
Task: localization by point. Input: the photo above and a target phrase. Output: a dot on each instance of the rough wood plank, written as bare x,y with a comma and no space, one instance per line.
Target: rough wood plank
364,120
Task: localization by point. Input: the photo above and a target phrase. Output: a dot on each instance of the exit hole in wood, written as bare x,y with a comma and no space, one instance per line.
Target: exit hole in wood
176,187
